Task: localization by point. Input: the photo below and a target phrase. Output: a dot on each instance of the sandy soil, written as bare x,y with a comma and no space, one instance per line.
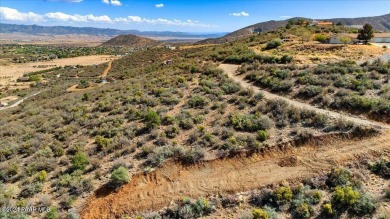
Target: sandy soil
17,70
8,99
156,190
230,70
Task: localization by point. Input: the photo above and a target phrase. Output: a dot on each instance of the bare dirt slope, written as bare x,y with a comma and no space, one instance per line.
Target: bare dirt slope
230,70
155,190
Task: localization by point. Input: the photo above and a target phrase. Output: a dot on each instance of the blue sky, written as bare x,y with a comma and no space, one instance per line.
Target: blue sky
179,15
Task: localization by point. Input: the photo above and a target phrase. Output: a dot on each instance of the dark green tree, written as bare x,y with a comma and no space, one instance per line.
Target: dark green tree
366,33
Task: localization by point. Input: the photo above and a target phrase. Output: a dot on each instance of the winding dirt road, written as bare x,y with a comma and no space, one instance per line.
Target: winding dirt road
156,190
230,70
17,103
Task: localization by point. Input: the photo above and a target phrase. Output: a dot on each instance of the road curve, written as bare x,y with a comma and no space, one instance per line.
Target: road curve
17,103
230,70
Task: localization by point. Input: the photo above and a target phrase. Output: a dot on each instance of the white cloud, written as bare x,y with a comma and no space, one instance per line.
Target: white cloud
159,5
59,16
116,2
285,17
161,21
112,2
240,14
14,15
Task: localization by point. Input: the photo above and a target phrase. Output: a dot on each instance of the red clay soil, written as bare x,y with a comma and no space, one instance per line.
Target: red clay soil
156,190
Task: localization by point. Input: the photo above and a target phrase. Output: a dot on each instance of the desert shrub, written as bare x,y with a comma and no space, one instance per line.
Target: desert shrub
301,210
327,209
338,177
197,101
345,196
41,176
192,155
119,176
52,214
31,189
185,120
79,186
79,161
7,215
83,84
283,194
363,206
320,38
172,131
102,142
273,44
160,154
250,122
310,91
262,135
259,214
168,120
230,87
152,119
381,167
188,208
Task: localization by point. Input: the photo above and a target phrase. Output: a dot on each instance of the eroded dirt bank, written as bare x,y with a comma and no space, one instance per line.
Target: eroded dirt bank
156,190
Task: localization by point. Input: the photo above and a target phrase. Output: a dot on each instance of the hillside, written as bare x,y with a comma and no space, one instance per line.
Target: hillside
130,40
61,30
380,23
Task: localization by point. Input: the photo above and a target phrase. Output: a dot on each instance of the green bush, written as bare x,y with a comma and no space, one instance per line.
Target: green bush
152,119
363,206
301,210
262,135
197,101
338,177
273,44
283,194
327,209
310,91
120,176
381,168
52,214
79,161
259,214
250,122
346,196
102,142
320,38
41,176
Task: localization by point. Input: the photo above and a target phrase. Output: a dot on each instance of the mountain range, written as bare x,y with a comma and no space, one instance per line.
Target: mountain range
62,30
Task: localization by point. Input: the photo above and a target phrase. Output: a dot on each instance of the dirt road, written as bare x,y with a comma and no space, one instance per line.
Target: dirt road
17,103
156,190
230,70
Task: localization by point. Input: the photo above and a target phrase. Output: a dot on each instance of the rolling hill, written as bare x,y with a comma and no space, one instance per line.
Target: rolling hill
380,23
131,40
62,30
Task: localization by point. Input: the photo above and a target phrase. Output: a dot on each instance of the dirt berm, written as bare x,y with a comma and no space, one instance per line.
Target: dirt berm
157,189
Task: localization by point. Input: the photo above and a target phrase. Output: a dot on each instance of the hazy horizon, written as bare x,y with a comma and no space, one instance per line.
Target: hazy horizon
181,16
